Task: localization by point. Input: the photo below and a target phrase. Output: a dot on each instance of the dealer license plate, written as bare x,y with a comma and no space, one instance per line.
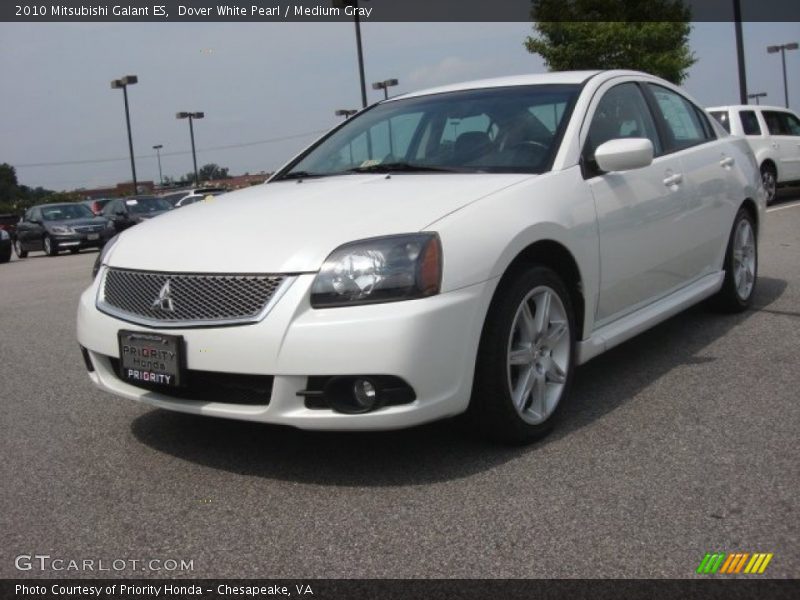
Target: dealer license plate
150,358
93,236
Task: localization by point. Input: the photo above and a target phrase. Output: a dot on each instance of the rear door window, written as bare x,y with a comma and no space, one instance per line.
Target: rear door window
750,124
776,123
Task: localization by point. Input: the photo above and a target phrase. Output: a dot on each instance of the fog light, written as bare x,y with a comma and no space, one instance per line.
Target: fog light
365,394
352,395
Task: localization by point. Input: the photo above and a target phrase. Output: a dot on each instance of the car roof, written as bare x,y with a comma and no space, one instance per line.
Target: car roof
749,107
558,77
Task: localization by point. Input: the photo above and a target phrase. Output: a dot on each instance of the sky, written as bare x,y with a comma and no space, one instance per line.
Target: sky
269,89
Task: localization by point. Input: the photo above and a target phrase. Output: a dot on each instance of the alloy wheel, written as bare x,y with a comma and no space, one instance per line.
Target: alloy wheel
744,259
538,355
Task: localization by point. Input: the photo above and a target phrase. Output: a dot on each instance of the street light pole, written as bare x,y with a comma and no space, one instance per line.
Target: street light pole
357,20
124,83
737,17
158,148
782,48
385,85
757,95
191,117
345,112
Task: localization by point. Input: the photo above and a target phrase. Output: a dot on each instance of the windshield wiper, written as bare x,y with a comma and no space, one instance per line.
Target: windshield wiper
399,167
301,175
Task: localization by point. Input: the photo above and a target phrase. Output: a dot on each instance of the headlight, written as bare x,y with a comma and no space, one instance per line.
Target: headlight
109,224
101,256
62,229
384,269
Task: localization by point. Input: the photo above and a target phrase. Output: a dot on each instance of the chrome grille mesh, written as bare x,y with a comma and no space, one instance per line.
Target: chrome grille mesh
89,228
191,297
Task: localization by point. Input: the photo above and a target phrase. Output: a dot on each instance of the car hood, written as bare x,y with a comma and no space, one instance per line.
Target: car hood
292,226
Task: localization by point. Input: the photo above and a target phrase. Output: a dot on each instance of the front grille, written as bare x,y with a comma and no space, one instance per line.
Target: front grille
151,297
89,228
212,386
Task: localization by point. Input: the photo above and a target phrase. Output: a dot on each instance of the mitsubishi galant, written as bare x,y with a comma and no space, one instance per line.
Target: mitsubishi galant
458,250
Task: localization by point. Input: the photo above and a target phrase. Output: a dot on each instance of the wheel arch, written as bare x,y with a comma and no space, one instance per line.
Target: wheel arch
770,164
553,254
750,206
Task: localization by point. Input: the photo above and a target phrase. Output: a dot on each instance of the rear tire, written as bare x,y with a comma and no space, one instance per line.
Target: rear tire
18,249
525,360
770,180
741,266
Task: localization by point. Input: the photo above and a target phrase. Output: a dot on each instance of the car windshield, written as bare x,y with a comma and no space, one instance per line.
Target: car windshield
147,205
65,212
498,130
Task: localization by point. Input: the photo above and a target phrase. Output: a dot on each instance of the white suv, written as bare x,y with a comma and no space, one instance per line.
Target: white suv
457,250
774,136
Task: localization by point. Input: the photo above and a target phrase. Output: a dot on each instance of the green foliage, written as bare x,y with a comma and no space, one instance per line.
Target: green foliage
204,173
9,187
645,35
15,198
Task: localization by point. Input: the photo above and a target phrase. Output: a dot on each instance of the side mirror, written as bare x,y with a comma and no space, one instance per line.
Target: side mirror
624,154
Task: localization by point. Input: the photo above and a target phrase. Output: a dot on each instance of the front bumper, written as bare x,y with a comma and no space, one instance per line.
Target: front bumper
429,343
81,240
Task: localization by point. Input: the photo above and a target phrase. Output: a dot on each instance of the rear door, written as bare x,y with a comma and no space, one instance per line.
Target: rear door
712,189
639,212
785,130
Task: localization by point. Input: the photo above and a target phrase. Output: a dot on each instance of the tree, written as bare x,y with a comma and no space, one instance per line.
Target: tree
9,187
645,35
207,173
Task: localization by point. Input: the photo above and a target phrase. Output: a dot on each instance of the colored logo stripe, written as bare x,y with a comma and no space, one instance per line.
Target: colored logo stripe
733,563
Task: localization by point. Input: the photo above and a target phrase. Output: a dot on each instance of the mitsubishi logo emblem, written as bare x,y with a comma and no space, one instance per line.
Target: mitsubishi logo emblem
164,300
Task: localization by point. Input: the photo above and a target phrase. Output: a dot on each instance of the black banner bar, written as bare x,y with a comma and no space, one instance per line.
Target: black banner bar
382,589
200,11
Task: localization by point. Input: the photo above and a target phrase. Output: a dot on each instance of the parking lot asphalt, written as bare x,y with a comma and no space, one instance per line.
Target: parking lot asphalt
680,442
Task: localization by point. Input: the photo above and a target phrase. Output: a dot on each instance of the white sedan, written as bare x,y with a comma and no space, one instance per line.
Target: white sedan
456,250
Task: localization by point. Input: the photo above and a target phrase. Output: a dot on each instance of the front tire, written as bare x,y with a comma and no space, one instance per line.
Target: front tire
741,266
770,180
50,248
525,359
18,249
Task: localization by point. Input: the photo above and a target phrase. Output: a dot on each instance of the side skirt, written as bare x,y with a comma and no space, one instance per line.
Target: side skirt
623,329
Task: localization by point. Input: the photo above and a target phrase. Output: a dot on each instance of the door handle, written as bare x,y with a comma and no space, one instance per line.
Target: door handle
726,162
673,180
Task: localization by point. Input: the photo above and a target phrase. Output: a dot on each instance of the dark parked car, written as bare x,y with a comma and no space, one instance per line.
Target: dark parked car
97,205
55,227
126,212
5,246
8,222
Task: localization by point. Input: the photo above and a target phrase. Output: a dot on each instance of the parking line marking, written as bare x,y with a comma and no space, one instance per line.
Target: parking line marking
777,208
